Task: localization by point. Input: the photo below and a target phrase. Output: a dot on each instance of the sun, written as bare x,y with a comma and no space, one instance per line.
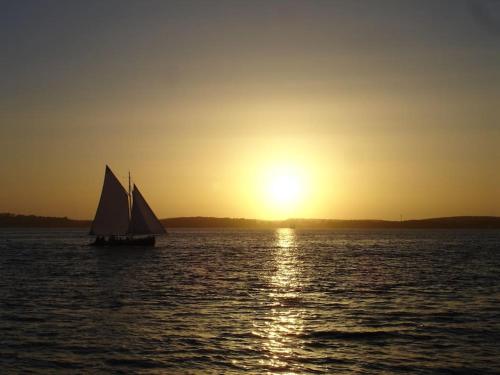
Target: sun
283,190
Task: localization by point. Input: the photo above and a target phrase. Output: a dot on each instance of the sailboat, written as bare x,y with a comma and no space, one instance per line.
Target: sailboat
123,218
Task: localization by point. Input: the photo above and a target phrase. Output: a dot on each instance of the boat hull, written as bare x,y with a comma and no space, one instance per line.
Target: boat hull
126,241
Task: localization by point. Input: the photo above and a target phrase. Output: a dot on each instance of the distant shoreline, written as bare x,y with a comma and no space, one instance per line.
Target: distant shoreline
8,220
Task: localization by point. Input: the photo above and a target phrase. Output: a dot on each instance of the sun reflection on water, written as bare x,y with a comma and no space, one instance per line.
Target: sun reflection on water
285,278
283,322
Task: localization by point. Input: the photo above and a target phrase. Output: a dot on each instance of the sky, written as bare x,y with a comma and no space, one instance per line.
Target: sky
258,109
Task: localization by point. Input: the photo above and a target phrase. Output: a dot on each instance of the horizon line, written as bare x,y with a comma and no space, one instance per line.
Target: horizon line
270,220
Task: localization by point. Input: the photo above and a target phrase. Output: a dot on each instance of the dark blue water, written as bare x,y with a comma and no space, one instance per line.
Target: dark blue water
227,301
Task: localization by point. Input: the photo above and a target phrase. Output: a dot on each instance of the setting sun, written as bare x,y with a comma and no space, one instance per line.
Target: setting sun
283,190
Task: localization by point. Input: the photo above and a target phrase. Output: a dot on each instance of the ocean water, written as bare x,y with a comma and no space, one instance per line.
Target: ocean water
233,301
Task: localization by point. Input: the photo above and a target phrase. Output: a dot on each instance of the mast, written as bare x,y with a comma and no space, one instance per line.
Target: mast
129,197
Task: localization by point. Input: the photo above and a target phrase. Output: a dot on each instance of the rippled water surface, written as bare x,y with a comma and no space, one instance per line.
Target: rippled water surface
231,301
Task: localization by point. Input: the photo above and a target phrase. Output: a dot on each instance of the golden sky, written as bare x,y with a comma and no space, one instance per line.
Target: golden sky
253,109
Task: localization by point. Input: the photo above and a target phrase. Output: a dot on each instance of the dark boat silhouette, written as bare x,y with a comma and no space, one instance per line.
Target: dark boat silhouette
123,218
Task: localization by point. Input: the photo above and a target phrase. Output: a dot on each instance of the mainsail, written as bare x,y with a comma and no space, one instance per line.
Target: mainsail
143,220
112,216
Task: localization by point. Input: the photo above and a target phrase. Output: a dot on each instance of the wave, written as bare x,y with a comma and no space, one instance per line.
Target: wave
350,335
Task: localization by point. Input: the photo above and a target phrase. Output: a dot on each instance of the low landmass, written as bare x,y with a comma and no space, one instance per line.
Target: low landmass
479,222
444,222
32,221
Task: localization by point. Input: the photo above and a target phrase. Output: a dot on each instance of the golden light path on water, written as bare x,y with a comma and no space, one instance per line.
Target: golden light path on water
284,322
